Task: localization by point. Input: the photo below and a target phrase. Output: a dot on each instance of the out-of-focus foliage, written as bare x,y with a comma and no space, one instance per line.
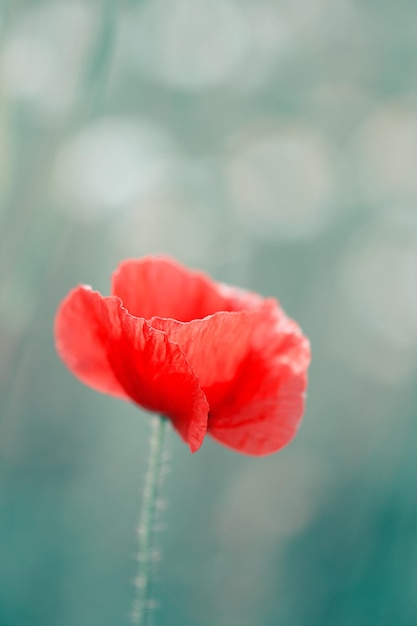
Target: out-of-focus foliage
272,143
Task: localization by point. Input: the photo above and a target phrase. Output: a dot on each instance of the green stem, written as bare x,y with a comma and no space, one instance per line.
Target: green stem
147,520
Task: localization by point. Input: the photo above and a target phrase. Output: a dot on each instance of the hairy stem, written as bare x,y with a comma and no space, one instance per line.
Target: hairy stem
147,521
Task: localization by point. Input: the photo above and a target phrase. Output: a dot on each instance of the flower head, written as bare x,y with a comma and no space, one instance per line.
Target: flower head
210,357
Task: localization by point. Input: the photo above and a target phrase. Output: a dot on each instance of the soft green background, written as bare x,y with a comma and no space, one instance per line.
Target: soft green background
272,143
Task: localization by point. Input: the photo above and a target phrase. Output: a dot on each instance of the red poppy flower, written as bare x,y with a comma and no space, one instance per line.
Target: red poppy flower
210,357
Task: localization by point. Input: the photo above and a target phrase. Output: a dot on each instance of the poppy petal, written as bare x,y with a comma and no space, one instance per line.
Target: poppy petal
116,353
159,286
261,411
216,345
85,325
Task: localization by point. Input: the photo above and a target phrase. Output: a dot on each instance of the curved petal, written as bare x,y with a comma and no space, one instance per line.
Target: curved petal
261,411
116,353
159,286
217,345
85,326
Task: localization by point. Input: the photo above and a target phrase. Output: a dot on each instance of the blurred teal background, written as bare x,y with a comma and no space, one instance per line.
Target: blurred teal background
272,143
